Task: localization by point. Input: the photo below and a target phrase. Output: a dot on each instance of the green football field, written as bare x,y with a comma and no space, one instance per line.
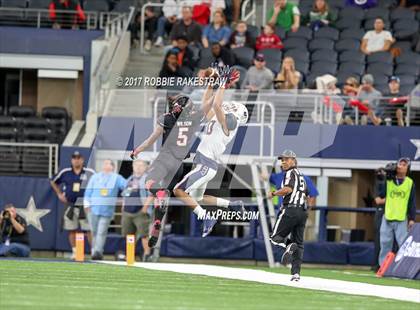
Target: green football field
62,285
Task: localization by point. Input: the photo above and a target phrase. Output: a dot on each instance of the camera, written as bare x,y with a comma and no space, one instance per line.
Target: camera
387,173
6,215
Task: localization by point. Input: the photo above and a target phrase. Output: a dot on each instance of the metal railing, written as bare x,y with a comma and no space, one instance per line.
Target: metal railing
251,14
39,159
40,18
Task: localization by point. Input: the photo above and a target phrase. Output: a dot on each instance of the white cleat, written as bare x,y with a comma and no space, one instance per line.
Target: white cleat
295,277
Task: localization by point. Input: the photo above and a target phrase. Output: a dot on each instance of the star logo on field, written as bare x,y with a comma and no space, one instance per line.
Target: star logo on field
32,215
417,144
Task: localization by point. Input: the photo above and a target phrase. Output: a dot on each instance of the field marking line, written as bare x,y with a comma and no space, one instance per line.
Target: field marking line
261,276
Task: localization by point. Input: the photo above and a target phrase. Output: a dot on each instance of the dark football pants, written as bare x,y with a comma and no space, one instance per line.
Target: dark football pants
291,220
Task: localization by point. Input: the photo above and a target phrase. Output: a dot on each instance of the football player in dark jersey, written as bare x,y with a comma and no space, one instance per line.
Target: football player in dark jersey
177,128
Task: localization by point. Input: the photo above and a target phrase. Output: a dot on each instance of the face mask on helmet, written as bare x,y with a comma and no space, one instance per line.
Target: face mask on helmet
180,103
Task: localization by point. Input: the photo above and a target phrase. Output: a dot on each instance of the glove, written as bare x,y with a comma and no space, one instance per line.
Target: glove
232,78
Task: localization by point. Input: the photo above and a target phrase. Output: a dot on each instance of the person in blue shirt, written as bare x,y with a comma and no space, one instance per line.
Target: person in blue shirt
101,195
69,185
216,32
136,218
277,178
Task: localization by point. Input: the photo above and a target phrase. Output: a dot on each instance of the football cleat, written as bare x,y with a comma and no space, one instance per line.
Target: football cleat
295,277
154,236
208,226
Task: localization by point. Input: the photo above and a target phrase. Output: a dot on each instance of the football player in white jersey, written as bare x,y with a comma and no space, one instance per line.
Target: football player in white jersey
223,122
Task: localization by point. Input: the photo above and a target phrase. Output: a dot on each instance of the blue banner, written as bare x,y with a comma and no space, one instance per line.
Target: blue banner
407,261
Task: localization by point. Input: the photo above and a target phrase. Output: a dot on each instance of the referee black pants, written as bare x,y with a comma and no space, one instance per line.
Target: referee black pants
291,220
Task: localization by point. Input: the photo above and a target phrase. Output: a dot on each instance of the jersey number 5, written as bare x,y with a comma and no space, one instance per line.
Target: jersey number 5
182,136
301,183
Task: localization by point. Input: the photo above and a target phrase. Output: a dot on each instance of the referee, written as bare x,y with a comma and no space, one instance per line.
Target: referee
293,215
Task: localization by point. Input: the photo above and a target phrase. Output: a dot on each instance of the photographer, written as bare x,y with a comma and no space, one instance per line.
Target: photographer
398,196
14,240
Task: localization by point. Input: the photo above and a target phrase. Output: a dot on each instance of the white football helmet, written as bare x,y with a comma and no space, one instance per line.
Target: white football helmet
238,109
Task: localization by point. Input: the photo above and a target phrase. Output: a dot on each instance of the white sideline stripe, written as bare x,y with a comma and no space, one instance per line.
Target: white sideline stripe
336,286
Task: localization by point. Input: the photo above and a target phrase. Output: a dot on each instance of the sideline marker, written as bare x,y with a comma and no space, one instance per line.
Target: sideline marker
385,265
130,249
80,247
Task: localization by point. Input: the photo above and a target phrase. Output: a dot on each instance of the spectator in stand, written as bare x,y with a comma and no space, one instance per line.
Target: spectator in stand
288,77
217,31
411,4
241,37
99,202
137,200
222,56
185,55
391,110
186,27
170,67
364,4
368,96
64,19
400,209
14,238
320,15
258,76
350,91
377,40
69,186
166,21
268,39
150,25
285,15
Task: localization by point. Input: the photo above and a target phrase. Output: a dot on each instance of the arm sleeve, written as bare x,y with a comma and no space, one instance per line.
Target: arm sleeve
412,204
296,10
273,178
382,191
206,31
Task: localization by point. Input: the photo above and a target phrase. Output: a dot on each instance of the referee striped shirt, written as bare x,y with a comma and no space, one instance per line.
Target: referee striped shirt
295,180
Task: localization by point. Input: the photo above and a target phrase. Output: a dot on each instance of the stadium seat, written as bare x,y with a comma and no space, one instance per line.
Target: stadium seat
243,56
299,43
402,13
318,44
384,57
297,55
339,4
407,69
383,88
7,122
352,12
35,122
36,135
377,12
14,4
368,24
10,159
254,31
327,33
406,89
408,58
8,134
280,32
206,58
272,59
39,4
353,68
418,15
352,56
348,23
324,67
96,5
21,111
302,67
304,9
347,45
58,121
352,33
311,80
35,161
386,3
123,6
324,55
403,45
404,28
303,32
11,17
380,68
407,79
380,79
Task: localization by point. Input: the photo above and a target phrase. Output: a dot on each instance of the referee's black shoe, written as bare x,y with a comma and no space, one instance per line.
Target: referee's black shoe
286,258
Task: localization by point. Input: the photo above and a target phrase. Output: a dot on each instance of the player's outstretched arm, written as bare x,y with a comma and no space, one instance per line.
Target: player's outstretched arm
218,100
148,142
